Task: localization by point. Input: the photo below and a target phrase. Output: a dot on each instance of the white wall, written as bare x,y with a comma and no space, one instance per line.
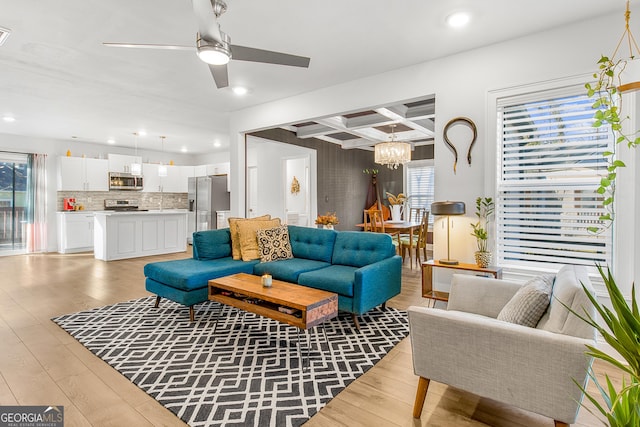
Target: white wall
461,84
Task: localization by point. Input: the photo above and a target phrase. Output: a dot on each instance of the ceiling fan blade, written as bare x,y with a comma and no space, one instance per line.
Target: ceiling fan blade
150,46
220,75
243,53
207,21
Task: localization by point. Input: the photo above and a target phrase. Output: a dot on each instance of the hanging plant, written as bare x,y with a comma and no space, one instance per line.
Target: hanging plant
607,93
607,104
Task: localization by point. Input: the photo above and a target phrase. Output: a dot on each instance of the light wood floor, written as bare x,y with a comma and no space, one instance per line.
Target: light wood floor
41,365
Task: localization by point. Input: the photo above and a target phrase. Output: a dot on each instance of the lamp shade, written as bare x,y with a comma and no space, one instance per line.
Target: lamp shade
447,208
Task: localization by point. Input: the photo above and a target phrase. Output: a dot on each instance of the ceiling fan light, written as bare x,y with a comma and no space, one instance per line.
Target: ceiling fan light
213,55
213,52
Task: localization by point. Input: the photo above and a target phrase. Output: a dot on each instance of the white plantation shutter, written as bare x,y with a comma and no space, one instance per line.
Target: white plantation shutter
551,165
420,184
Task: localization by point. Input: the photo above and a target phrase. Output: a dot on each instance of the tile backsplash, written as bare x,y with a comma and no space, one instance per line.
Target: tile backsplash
94,200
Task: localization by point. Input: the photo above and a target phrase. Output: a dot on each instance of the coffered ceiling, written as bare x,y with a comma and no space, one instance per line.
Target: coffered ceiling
411,122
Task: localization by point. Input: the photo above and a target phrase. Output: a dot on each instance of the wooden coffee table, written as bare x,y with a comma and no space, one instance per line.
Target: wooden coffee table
305,307
312,306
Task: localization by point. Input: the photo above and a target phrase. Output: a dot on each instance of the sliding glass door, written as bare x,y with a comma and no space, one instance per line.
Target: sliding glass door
13,202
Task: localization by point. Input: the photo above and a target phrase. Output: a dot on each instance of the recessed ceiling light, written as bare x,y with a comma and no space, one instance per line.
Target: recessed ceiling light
458,19
183,149
142,132
239,90
9,119
111,141
216,144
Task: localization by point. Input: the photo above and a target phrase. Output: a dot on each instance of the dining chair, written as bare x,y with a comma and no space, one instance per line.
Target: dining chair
418,242
373,221
416,214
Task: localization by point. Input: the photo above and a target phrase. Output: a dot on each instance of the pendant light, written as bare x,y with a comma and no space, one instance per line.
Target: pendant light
162,169
136,168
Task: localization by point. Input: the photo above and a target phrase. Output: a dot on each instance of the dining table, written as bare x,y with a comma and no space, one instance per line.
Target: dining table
400,227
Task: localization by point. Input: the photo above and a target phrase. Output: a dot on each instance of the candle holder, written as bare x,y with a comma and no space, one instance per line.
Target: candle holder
266,280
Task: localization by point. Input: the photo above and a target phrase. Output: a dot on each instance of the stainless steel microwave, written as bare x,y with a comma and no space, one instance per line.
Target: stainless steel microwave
125,181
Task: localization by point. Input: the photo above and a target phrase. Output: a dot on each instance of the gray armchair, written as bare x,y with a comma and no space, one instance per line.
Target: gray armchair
465,346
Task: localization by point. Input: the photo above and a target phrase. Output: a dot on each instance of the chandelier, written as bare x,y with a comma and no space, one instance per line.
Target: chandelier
392,153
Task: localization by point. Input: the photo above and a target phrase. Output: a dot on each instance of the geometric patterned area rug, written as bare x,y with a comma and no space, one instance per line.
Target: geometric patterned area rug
248,373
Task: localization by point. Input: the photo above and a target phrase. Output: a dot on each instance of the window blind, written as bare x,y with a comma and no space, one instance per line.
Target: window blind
551,165
420,185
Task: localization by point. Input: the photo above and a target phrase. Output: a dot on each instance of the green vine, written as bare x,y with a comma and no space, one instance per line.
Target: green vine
607,104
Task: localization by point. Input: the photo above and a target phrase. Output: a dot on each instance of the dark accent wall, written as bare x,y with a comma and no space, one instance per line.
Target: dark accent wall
342,185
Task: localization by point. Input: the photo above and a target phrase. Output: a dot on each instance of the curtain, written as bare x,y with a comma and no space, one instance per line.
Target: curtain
37,205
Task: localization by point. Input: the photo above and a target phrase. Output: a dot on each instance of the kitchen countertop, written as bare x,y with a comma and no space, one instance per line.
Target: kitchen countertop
149,212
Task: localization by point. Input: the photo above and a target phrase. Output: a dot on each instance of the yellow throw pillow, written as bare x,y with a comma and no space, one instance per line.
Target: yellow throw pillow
235,236
248,236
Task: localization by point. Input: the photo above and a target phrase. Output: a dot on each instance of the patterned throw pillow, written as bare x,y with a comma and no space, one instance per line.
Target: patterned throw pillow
274,244
530,302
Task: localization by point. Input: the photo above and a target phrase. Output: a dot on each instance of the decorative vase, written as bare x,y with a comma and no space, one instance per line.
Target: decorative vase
396,213
328,226
483,259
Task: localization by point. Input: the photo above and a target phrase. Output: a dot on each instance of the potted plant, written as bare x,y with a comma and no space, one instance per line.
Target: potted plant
484,211
328,220
622,333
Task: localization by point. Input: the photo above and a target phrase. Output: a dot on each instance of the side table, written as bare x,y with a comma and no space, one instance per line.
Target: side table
427,277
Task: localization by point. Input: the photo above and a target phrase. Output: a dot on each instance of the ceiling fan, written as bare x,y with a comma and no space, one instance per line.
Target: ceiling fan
214,47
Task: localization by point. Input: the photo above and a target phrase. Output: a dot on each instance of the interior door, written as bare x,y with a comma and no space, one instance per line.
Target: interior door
252,191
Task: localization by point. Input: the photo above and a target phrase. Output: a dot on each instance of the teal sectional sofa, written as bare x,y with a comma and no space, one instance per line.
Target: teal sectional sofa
362,268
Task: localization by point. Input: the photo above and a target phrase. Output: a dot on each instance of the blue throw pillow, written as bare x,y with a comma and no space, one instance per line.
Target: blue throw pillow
211,244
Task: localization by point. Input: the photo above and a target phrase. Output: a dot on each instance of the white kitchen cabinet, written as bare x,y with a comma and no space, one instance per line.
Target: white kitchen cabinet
200,170
152,182
122,162
83,174
176,181
186,172
75,232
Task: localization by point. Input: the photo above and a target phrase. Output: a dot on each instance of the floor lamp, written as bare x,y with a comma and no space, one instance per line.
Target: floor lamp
448,209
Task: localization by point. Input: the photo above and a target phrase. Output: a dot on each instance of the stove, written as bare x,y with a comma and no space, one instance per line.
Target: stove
122,206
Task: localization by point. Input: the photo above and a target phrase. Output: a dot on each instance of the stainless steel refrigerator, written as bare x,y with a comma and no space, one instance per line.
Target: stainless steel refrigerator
207,196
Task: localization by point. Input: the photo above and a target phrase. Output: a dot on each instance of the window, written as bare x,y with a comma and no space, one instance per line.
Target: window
419,177
13,202
551,163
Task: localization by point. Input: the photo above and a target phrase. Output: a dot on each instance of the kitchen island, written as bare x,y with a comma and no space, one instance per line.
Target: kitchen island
120,235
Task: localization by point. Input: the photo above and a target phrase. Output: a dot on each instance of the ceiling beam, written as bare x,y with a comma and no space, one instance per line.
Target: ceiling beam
313,131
